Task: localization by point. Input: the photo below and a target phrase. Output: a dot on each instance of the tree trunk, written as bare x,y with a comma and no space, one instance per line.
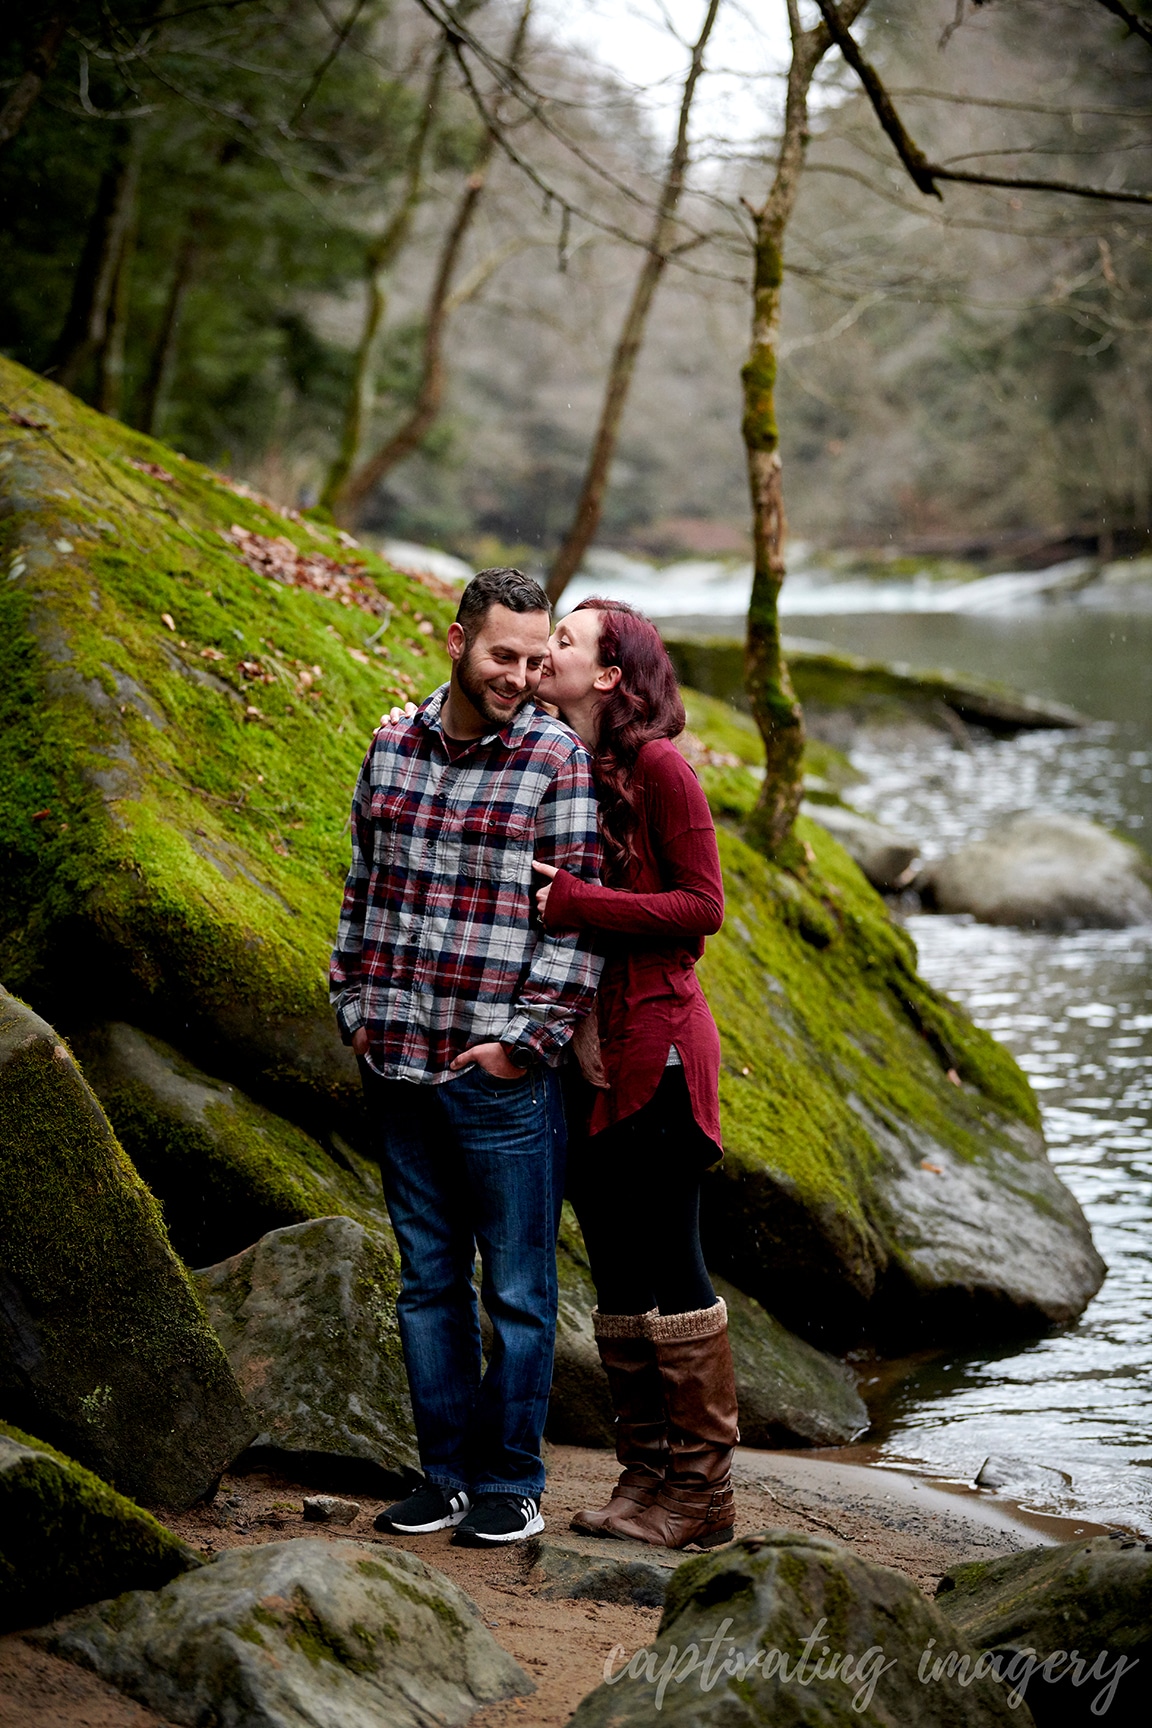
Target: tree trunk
86,325
163,361
770,693
22,96
590,506
378,261
109,396
411,433
353,494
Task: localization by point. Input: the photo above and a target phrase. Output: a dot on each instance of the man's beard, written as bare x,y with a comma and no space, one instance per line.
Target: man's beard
477,693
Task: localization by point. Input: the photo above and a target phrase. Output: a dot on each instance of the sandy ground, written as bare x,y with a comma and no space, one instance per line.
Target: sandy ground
883,1515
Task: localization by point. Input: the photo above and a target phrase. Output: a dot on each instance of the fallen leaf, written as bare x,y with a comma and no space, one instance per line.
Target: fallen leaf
926,1164
953,1076
152,469
211,654
167,618
40,815
359,654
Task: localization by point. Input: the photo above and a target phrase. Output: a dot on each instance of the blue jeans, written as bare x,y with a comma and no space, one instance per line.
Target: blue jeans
475,1163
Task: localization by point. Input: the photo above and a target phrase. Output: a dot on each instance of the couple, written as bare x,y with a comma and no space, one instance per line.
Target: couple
475,939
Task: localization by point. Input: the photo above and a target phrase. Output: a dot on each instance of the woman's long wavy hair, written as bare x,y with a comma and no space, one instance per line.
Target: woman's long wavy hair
644,705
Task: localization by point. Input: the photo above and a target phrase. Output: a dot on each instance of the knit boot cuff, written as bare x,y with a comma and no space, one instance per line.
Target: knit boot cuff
623,1325
697,1323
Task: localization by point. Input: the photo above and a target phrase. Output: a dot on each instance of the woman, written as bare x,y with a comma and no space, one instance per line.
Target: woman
652,1131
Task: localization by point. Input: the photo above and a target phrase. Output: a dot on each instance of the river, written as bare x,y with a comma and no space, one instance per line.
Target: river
1075,1010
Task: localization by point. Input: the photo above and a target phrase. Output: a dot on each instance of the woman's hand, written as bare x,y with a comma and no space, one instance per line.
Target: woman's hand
396,713
542,894
490,1057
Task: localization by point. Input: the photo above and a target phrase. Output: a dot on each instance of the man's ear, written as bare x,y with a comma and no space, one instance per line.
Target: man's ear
457,642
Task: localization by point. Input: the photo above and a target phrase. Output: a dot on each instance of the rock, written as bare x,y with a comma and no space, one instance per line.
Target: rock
198,870
1093,1597
883,856
1020,1475
842,693
1046,871
863,1191
790,1394
307,1317
203,779
298,1634
588,1568
792,1604
327,1509
103,1345
224,1169
67,1538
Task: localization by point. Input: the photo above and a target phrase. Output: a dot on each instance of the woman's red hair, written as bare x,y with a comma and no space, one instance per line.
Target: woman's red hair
644,705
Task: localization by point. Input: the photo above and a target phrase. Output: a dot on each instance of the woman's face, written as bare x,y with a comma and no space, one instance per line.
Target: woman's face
573,666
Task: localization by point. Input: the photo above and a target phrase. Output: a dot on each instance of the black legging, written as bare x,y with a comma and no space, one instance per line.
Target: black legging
636,1191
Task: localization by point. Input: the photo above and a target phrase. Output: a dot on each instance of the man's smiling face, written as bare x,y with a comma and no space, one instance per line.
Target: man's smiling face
499,670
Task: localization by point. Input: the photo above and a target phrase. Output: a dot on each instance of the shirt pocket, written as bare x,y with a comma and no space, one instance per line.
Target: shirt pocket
393,828
496,846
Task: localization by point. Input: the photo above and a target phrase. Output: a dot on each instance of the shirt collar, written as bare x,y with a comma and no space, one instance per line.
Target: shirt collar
430,714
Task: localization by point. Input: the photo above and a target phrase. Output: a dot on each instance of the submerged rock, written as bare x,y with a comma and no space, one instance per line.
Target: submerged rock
797,1632
884,857
307,1317
103,1344
295,1635
67,1538
790,1394
1087,1605
1044,870
224,1169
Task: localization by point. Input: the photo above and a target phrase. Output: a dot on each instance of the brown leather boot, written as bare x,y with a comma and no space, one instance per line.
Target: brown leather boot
694,1504
629,1359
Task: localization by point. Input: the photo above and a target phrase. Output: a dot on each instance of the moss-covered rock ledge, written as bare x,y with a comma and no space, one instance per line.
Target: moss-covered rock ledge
188,680
183,709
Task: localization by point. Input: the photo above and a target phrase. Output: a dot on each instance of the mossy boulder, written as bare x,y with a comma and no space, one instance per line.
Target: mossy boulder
790,1394
843,694
67,1538
224,1169
1088,1604
183,711
794,1631
295,1635
307,1316
104,1347
885,1173
174,785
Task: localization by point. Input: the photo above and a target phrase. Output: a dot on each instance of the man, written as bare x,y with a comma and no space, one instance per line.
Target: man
459,1006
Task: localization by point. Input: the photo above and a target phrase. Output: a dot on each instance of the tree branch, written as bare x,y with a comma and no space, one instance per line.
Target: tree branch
39,64
1136,26
925,174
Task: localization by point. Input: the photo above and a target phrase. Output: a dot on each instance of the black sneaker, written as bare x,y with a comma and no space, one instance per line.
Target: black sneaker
429,1508
499,1518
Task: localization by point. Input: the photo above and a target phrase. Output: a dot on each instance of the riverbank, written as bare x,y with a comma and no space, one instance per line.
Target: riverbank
894,1519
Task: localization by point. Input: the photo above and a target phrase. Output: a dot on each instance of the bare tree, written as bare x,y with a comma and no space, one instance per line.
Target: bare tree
379,258
86,324
408,437
590,505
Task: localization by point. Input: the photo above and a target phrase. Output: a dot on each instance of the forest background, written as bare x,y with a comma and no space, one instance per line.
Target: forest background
205,200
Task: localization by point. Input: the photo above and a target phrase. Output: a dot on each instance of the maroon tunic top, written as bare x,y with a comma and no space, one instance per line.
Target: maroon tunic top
652,932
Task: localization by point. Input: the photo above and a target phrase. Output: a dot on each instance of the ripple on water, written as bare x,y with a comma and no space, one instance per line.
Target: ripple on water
1076,1011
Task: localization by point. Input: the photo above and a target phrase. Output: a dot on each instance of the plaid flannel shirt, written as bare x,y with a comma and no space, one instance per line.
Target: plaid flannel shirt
439,945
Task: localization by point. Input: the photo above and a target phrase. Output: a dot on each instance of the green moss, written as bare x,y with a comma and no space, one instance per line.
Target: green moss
193,853
67,1538
122,1366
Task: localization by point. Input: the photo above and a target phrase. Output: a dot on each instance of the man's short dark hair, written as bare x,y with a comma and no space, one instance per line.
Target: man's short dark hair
500,586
